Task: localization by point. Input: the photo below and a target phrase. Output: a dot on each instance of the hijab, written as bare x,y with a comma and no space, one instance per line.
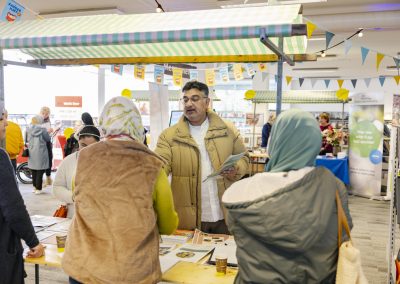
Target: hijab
120,117
295,142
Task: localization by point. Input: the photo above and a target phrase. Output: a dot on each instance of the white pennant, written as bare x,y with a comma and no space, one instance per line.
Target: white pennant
367,82
347,46
313,82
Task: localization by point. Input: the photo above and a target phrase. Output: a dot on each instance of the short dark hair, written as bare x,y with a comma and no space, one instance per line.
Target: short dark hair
196,85
84,136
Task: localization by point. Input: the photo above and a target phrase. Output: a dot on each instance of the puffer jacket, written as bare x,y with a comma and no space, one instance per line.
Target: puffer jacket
14,140
182,159
288,235
37,139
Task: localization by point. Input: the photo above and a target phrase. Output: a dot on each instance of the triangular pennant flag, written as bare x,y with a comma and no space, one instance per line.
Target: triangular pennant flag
340,83
328,36
310,29
301,81
364,53
379,57
210,77
288,79
347,46
397,79
264,76
354,83
327,82
313,82
397,62
382,80
367,82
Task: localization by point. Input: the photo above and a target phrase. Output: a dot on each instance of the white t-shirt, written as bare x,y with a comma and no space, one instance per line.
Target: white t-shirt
210,206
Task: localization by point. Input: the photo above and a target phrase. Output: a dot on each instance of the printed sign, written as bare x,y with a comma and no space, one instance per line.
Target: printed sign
139,71
12,11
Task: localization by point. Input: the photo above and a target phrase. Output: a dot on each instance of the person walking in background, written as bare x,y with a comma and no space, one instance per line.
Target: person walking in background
45,113
63,184
15,223
122,202
15,142
285,221
192,149
324,125
266,130
38,161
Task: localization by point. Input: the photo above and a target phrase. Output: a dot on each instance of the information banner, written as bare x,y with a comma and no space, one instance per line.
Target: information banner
366,144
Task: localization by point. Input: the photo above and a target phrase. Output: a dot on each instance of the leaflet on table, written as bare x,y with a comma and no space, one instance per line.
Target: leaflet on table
229,162
45,221
201,238
228,249
62,227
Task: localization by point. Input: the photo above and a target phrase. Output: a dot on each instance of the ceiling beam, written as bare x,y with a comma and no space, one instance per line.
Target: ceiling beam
172,59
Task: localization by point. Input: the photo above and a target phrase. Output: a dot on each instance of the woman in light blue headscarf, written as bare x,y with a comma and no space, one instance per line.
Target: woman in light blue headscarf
285,220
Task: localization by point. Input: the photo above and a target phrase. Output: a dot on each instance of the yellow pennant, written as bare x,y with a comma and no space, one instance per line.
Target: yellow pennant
262,67
238,71
397,79
210,77
288,79
177,76
96,65
379,57
126,93
139,71
310,29
342,94
340,83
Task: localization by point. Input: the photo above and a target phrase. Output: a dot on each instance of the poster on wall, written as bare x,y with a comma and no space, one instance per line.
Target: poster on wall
366,144
68,107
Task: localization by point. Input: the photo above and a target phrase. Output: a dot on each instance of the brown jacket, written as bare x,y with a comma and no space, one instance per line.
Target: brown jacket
181,154
113,237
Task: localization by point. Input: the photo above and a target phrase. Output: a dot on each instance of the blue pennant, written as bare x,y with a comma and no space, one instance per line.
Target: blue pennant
382,80
327,82
328,36
364,53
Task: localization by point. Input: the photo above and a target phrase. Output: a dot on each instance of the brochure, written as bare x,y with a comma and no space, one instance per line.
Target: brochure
229,162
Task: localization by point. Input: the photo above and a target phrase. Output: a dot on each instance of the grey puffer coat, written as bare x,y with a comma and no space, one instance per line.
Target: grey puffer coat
288,235
37,137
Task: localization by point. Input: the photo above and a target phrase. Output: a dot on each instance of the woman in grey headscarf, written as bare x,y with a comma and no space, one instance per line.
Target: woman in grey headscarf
38,161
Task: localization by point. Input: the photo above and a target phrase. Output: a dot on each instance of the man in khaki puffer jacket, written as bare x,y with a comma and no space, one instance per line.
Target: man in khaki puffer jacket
192,149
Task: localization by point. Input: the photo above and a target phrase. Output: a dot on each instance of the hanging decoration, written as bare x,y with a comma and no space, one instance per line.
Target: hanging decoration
140,71
397,79
340,83
126,93
301,81
262,67
342,94
194,75
210,77
177,76
224,74
367,81
354,82
237,71
117,68
327,82
159,74
364,53
382,80
397,62
288,80
379,57
250,69
347,46
328,37
310,28
313,82
12,11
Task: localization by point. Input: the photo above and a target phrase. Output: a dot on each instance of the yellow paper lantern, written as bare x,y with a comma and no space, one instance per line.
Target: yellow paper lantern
249,94
126,93
342,94
68,132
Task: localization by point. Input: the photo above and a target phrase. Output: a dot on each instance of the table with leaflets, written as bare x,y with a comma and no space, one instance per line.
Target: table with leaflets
185,257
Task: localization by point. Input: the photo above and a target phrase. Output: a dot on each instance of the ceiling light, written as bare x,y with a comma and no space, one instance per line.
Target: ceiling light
323,54
360,33
159,8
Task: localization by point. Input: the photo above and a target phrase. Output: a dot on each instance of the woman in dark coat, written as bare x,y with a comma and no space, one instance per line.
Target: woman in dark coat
15,223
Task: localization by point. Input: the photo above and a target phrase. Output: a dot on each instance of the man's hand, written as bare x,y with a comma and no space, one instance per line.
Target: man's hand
230,173
37,251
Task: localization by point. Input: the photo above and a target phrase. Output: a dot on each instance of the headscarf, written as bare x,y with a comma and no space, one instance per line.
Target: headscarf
37,119
88,128
295,142
120,116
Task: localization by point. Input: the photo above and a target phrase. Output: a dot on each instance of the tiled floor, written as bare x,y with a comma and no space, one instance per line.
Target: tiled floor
370,235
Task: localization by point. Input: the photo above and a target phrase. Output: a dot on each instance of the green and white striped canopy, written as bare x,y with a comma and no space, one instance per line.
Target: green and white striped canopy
298,97
190,33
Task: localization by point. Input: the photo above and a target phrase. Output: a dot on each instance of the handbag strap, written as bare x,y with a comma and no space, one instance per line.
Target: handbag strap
342,220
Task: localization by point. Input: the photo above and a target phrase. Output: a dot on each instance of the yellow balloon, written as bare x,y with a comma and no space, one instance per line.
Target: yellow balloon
342,94
68,132
249,94
126,93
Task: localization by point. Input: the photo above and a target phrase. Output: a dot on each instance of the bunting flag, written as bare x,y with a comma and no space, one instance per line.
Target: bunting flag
340,83
364,53
382,80
342,94
367,82
310,29
379,57
224,74
397,79
12,12
328,36
313,82
139,71
250,69
264,76
327,82
354,83
262,67
301,81
347,46
210,77
194,75
96,65
288,80
397,62
159,74
237,71
117,68
177,76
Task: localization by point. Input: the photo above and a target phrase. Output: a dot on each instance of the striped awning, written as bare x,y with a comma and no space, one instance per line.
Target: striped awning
298,97
190,33
173,95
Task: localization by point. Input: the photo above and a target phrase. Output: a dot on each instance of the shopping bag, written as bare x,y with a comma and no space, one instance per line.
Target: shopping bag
349,270
61,212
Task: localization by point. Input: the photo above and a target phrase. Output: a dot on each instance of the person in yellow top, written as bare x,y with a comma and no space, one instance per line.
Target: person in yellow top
14,141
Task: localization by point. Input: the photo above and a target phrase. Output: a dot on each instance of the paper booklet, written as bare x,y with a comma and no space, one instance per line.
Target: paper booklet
229,162
201,238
